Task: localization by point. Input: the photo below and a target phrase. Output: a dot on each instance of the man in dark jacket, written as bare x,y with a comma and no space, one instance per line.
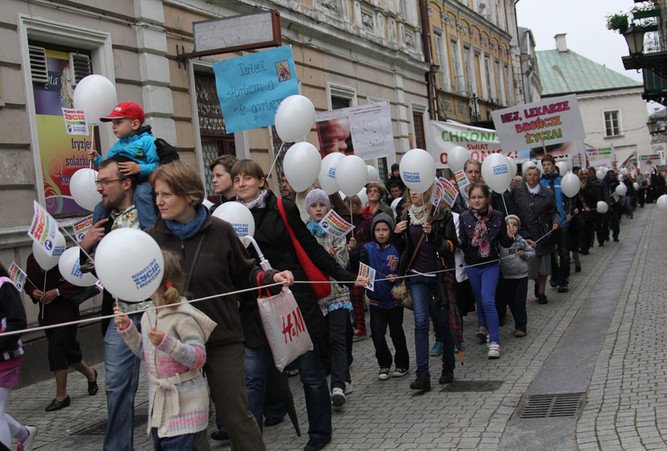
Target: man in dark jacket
609,184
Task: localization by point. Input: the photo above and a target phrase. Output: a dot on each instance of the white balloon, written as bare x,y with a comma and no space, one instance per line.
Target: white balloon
83,189
70,269
238,216
351,175
44,260
621,189
294,118
417,169
496,172
563,167
662,202
327,177
129,263
457,157
513,167
635,185
96,95
570,184
302,165
363,197
623,171
527,165
207,203
394,204
342,195
602,207
372,173
600,174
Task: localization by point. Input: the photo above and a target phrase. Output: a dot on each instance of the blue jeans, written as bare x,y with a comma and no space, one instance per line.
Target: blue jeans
121,380
143,200
185,442
258,367
422,290
484,280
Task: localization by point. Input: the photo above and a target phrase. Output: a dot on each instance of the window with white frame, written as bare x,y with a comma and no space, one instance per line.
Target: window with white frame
612,123
341,96
490,89
459,78
471,83
508,85
499,80
442,60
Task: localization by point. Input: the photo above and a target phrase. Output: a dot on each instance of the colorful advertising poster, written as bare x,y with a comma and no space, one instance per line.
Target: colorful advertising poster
363,130
600,157
44,230
75,122
449,191
333,224
251,87
550,121
61,154
367,271
82,227
444,136
17,275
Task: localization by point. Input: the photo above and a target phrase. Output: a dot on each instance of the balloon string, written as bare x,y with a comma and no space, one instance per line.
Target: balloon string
275,160
245,290
74,239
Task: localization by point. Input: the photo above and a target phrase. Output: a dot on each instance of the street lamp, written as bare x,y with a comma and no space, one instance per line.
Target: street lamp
634,36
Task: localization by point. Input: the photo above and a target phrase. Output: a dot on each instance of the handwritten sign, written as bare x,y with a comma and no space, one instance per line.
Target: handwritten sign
251,87
367,271
44,229
75,122
551,121
333,224
82,227
17,275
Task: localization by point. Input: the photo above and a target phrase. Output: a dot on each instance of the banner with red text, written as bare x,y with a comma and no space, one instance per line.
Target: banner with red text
550,121
444,136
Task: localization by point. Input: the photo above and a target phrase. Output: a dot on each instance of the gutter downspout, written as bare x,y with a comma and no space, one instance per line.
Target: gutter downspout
518,43
428,56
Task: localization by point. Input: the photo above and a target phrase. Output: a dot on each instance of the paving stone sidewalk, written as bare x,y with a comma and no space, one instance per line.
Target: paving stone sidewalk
383,415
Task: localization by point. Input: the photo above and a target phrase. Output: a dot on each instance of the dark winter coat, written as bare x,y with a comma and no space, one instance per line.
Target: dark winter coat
12,314
538,214
497,234
275,243
223,265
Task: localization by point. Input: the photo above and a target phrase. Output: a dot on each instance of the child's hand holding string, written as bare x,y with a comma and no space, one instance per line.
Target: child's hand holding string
156,336
122,321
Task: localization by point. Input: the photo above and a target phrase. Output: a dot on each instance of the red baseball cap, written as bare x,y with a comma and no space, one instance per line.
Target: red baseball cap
125,110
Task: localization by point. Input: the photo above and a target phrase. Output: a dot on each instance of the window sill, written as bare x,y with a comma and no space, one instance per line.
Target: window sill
614,136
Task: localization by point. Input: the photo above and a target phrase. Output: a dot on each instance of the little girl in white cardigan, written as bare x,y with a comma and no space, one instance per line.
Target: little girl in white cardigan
171,341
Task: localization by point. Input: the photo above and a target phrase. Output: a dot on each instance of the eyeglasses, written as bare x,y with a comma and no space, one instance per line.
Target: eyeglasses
105,182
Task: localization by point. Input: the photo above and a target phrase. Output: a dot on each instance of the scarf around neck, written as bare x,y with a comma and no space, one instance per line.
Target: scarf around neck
259,201
315,228
185,231
480,237
418,215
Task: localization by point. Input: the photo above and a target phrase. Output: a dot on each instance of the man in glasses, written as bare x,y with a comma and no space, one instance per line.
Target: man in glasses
121,367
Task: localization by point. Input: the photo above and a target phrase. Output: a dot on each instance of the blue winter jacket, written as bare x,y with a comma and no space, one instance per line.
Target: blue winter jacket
139,147
384,260
561,200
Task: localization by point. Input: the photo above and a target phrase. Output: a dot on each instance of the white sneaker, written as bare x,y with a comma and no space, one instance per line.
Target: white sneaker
27,444
400,372
338,397
383,375
349,388
494,350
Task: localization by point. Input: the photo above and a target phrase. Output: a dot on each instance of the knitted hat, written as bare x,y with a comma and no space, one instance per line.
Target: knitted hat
317,196
515,217
383,217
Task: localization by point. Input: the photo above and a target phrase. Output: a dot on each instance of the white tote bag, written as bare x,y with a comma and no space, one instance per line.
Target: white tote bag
284,327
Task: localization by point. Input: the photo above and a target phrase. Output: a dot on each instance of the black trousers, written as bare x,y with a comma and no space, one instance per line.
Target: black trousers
64,350
513,293
560,257
380,319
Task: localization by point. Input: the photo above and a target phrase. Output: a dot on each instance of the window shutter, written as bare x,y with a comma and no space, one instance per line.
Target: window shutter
81,64
38,68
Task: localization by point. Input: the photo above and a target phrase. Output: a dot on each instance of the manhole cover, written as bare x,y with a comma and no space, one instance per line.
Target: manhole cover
472,386
101,427
551,406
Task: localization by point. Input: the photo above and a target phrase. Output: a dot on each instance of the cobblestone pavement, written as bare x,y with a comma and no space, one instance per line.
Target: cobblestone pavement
626,406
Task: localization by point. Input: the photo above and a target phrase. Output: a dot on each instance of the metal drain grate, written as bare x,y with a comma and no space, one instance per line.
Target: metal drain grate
551,406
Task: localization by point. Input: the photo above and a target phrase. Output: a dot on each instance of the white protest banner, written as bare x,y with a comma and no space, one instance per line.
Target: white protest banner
550,121
75,122
600,157
367,271
363,130
44,229
17,275
333,224
444,136
82,227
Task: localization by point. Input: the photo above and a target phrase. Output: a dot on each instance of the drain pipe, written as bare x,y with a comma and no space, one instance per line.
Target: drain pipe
428,56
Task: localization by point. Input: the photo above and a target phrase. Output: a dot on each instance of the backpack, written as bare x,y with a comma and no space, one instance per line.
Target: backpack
165,151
